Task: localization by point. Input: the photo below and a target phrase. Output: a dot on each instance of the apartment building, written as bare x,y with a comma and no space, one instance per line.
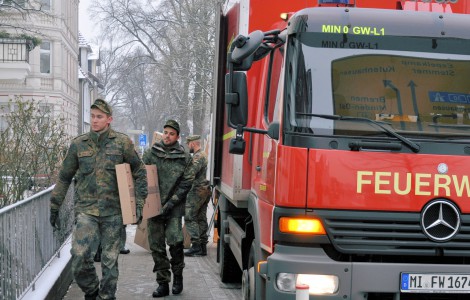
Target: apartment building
90,86
48,72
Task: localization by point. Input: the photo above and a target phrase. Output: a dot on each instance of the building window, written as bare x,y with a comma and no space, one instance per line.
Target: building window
20,3
3,123
44,116
4,111
45,4
45,61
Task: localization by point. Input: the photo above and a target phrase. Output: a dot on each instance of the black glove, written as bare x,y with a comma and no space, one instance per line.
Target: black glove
54,218
139,205
138,213
167,208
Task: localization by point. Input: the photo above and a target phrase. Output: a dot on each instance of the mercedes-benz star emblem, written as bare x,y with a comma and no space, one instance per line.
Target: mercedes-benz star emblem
440,220
442,168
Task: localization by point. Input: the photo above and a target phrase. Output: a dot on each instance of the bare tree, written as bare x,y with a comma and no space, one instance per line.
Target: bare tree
168,59
15,17
32,143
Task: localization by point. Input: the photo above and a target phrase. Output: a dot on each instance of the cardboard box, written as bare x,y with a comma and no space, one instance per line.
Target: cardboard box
141,235
153,204
126,193
157,136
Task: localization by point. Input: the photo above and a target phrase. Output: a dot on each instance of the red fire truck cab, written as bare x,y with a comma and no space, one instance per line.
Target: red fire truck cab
341,148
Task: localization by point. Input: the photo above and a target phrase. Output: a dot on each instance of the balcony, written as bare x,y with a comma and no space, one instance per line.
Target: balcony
14,58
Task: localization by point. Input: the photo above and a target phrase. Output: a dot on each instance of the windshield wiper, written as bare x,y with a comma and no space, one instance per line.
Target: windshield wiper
412,145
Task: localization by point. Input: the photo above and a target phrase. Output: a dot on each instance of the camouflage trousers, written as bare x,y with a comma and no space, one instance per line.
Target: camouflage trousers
88,233
195,218
171,230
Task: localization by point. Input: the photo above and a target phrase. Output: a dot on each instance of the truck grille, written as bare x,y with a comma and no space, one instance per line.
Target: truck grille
389,233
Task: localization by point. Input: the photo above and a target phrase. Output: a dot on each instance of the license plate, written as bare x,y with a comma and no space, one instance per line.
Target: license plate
434,283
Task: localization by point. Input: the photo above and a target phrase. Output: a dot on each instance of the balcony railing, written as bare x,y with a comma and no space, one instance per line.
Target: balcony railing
14,58
14,50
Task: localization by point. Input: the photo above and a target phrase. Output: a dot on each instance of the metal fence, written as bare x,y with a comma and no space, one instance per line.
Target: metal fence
27,241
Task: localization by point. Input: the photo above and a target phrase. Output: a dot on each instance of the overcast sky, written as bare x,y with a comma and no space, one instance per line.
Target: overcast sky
85,25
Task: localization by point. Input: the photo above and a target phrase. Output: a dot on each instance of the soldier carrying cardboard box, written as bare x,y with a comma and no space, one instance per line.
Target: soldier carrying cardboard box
91,159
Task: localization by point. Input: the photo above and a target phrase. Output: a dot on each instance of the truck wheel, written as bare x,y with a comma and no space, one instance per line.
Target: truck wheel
248,279
218,250
229,270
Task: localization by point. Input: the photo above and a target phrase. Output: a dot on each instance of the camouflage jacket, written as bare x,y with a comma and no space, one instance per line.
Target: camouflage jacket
174,179
199,168
91,158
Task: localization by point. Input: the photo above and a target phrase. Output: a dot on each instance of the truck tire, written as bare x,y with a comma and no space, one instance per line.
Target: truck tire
248,278
229,270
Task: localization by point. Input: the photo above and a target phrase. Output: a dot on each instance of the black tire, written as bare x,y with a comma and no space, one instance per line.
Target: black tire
218,250
248,281
230,272
218,233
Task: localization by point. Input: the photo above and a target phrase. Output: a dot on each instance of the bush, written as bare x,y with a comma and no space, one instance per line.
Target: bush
33,144
32,40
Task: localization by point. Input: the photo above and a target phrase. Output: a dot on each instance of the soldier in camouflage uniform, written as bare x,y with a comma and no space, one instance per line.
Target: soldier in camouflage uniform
91,158
174,182
195,216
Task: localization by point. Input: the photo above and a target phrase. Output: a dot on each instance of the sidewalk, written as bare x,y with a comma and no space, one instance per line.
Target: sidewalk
136,280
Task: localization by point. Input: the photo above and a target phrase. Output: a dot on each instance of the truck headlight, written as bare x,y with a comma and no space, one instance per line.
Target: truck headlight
286,282
318,284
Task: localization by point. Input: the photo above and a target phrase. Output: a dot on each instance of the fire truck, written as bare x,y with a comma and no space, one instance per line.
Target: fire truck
341,148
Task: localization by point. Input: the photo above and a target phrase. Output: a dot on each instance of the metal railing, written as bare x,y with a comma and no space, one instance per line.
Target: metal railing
28,242
14,50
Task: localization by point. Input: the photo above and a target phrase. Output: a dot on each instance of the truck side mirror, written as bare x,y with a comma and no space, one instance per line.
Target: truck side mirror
273,130
245,65
243,49
237,146
236,99
246,46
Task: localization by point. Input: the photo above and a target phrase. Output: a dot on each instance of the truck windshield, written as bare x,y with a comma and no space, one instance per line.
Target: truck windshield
418,86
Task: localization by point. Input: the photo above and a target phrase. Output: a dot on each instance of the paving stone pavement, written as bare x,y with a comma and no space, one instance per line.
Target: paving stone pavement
136,280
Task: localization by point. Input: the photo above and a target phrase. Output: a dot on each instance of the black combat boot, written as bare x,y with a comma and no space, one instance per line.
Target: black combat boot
125,251
203,249
92,296
162,290
195,250
177,284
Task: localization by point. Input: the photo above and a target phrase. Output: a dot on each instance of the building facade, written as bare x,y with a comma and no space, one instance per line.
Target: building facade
90,86
47,73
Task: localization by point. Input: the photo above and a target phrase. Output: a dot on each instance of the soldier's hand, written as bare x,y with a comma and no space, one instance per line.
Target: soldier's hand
139,208
167,208
138,213
54,219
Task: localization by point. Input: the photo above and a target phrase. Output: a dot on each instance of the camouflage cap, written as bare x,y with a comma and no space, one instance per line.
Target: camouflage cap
193,138
173,124
103,106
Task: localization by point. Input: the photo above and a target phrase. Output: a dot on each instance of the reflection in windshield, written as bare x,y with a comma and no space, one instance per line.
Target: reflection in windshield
417,93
